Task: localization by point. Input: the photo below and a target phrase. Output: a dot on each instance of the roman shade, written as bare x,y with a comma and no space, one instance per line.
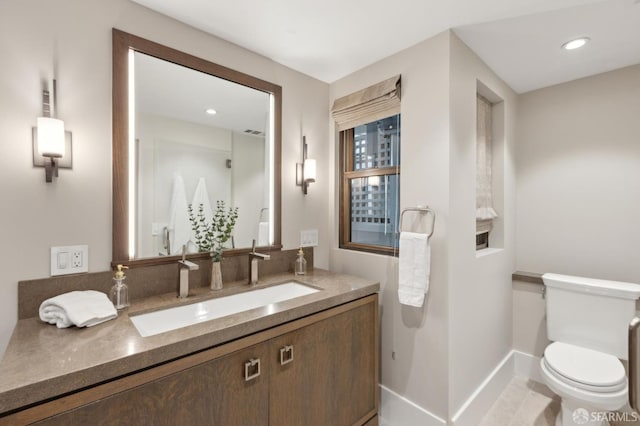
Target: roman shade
484,194
367,105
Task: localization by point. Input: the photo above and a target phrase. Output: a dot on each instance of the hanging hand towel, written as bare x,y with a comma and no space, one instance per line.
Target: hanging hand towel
200,196
414,268
179,224
263,234
79,308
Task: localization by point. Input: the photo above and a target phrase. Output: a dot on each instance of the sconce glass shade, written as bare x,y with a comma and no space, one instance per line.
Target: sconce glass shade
309,170
51,138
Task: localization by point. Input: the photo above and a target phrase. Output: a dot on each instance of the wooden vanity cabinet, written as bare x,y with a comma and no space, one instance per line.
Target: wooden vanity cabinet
317,370
212,393
325,373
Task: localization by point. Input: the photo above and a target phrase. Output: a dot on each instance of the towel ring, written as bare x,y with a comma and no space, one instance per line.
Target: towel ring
420,209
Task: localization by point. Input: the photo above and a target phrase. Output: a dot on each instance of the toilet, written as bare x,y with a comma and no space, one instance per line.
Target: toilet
587,322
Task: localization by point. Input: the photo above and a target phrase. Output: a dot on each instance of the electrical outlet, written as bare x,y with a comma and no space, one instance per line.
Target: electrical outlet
309,238
69,260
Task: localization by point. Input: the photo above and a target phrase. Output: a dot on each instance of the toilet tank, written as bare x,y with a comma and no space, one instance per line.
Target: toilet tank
589,312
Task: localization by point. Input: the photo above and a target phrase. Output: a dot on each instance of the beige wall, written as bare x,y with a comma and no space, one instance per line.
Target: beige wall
75,35
529,324
445,350
578,163
479,285
418,336
578,183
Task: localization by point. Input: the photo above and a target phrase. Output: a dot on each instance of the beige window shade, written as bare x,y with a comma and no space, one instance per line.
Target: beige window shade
373,103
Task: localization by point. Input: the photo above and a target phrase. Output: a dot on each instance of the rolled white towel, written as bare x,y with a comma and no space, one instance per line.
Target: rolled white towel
79,308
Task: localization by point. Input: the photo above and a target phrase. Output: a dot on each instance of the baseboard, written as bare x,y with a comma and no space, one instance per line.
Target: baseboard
527,366
480,401
396,410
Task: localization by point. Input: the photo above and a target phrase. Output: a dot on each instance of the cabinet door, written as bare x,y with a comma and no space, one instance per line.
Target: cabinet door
327,374
212,393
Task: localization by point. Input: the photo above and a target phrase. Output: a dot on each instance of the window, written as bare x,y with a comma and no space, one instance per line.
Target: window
370,186
369,125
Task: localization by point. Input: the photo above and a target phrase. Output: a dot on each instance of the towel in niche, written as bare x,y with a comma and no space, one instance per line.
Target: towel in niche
79,308
414,268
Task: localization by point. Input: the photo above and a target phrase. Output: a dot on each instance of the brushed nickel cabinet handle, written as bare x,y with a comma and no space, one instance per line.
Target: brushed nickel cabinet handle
286,354
251,369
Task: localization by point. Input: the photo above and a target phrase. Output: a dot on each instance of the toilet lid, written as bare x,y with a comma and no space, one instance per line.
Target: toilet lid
584,365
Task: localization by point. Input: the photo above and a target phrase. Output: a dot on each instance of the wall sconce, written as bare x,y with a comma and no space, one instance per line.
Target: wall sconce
305,171
51,144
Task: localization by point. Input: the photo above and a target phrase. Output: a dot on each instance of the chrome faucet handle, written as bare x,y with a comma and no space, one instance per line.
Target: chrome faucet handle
187,263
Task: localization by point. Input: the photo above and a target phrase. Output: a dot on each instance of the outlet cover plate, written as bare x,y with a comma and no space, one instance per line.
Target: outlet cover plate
309,238
67,260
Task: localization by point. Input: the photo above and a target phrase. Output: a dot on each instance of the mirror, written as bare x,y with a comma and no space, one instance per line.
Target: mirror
171,150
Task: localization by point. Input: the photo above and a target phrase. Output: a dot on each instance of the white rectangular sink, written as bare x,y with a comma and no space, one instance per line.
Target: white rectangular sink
183,316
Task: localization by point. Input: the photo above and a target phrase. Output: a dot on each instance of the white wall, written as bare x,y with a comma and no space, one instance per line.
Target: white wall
578,164
578,182
418,336
248,186
74,36
167,146
479,285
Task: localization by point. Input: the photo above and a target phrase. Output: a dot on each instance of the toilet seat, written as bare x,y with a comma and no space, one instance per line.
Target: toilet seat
585,368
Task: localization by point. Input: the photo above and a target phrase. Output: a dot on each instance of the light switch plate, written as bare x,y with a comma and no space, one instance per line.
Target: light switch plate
69,260
309,238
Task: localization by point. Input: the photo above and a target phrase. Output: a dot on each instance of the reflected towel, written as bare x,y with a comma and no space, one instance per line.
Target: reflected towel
200,196
79,308
414,268
179,224
263,234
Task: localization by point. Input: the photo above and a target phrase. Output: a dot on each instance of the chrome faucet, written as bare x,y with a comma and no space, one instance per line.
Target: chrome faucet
253,263
185,267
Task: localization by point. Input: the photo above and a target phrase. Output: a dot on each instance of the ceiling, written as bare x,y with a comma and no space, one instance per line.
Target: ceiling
519,39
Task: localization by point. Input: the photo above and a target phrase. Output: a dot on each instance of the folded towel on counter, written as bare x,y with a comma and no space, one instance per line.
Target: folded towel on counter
414,268
79,308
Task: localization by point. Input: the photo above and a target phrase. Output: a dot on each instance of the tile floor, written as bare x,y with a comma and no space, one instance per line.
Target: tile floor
528,403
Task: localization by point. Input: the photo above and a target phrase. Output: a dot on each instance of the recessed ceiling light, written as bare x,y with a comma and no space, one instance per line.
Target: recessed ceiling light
575,43
211,111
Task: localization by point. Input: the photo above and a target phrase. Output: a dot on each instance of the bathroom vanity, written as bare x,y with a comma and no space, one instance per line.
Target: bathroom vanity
307,360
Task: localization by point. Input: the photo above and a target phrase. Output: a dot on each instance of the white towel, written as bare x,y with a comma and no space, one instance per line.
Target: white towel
79,308
263,234
200,196
414,268
179,224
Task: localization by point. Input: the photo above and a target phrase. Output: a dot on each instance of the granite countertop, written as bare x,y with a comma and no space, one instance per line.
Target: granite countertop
42,361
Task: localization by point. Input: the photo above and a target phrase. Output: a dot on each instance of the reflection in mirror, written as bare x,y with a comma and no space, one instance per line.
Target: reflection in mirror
170,150
199,139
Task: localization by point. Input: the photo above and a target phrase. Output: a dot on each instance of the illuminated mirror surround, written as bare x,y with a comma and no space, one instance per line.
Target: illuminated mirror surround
126,144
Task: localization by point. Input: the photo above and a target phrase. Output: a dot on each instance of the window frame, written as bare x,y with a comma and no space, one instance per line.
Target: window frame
346,161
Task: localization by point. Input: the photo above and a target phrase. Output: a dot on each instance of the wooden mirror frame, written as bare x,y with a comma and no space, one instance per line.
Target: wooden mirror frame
122,42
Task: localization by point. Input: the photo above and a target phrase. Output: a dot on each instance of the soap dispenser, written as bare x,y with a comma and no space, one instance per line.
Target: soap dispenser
301,263
119,291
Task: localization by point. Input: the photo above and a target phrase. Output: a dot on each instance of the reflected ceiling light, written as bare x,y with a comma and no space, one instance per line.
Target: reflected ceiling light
211,111
575,43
